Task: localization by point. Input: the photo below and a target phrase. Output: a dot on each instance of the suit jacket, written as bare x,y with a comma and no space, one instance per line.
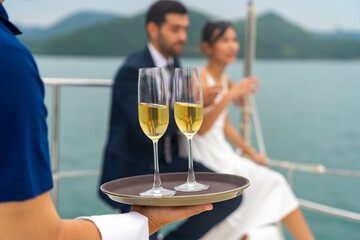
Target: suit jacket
129,151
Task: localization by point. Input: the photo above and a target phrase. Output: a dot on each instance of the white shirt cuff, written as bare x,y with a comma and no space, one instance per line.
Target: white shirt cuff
127,226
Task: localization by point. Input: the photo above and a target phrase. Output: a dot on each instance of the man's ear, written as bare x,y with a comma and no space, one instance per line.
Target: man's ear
152,30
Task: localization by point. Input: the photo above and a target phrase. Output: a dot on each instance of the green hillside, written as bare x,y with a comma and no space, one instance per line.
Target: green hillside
36,36
276,38
115,38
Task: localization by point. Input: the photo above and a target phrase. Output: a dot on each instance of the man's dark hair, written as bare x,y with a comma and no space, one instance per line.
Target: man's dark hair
158,10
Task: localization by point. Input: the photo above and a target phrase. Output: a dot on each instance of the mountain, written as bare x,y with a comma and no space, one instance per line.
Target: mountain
116,38
276,38
33,36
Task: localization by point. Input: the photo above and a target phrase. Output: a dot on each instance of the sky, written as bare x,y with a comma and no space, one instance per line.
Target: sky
315,15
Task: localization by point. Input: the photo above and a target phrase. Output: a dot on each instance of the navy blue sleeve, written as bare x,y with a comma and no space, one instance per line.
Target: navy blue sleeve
24,153
126,96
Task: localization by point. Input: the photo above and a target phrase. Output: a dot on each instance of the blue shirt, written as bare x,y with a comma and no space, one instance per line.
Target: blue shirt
24,150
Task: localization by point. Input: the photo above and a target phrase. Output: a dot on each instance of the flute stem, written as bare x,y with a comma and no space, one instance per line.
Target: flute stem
157,180
191,174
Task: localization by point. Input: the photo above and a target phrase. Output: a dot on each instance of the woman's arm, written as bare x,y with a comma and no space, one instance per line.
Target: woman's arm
235,138
209,92
246,86
212,113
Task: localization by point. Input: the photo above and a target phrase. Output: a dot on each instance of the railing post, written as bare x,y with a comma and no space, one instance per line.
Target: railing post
249,56
55,142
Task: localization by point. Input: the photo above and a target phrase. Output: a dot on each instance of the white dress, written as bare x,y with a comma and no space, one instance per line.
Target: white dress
267,200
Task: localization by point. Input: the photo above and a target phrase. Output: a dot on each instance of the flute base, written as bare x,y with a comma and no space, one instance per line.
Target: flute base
158,192
191,187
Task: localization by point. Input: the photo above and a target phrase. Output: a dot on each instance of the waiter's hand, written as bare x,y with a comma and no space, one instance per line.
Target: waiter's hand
161,216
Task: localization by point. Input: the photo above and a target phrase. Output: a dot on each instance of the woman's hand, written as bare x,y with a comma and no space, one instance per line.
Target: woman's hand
239,102
244,87
161,216
259,158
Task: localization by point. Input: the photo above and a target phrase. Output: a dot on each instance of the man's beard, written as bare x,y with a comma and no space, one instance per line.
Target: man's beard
166,48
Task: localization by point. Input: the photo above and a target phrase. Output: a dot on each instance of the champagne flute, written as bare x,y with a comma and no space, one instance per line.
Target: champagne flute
154,118
188,110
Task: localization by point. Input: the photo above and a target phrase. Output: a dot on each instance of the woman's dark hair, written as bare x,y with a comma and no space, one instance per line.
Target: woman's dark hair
213,30
158,10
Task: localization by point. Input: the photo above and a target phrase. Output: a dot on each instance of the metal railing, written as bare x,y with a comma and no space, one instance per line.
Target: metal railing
56,83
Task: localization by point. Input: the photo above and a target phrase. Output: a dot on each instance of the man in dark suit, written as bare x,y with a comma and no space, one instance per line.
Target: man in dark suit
129,151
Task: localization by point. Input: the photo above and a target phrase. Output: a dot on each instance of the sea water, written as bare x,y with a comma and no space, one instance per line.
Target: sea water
309,112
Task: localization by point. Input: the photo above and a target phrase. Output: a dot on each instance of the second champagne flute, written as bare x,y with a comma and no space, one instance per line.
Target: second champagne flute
153,118
188,110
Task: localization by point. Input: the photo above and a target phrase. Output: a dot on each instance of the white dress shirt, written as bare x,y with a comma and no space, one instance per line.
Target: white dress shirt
162,62
126,226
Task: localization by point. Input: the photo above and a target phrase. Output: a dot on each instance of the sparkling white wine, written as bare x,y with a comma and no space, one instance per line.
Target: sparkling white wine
154,119
188,117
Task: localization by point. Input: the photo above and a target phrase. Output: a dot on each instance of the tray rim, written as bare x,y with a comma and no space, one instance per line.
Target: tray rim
175,198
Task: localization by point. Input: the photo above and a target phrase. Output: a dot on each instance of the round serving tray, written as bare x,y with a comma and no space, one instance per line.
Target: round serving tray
222,187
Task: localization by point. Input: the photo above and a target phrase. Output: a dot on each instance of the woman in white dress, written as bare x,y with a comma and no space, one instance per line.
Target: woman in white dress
269,198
